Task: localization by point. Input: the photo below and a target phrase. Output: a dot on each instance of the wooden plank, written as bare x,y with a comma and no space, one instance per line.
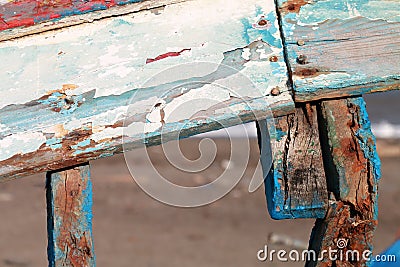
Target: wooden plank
341,48
75,95
25,17
353,170
69,221
296,184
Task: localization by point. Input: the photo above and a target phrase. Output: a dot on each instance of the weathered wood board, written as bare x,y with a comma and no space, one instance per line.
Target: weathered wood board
69,217
296,184
340,48
23,17
352,167
73,95
17,13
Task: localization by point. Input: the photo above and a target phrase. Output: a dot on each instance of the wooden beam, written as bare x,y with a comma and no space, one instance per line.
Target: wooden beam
69,221
352,167
77,94
296,184
341,48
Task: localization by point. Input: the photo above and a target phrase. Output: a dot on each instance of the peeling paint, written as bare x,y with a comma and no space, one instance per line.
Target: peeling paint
90,87
20,143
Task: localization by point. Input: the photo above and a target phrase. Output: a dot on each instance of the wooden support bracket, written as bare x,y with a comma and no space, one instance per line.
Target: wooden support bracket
295,185
69,221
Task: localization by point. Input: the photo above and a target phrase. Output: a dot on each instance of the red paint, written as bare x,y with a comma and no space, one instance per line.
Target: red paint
23,13
168,54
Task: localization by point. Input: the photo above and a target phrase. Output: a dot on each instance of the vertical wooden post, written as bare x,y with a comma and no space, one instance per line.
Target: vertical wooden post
69,217
353,170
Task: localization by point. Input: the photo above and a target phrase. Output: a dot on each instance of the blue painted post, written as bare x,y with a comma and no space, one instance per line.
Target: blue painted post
352,167
69,217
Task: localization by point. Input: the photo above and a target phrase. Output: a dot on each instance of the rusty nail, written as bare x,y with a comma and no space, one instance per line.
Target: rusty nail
273,59
291,7
301,42
262,22
69,100
302,59
275,91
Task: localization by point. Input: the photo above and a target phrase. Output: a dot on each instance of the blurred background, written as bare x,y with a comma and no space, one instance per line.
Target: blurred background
132,229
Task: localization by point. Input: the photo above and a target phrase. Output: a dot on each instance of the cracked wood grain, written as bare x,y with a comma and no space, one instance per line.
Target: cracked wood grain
341,48
296,185
353,170
69,211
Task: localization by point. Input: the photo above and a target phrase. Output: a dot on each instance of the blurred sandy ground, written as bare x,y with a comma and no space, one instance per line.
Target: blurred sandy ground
132,229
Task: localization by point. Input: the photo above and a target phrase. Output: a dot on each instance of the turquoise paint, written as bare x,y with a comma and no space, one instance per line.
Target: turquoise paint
251,34
366,138
83,143
321,12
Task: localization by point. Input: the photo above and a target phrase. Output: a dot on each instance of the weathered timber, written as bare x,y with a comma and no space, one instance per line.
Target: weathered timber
69,221
295,185
23,17
341,48
77,94
353,170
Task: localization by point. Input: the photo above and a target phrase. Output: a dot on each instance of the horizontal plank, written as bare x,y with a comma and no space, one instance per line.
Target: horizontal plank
341,48
78,94
23,17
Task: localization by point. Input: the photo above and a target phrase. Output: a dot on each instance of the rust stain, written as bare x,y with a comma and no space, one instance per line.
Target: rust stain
351,227
307,72
292,6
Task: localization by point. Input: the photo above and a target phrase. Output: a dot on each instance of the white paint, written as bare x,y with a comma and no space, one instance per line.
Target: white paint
94,58
246,54
20,143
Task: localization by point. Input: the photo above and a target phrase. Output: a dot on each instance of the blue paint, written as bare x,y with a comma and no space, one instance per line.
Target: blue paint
81,144
251,34
367,139
54,143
